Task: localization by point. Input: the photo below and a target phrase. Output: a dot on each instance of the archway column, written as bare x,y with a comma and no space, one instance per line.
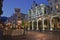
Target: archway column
43,28
37,25
29,25
32,24
51,24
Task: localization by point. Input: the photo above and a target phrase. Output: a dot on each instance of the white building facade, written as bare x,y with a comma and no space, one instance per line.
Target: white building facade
40,19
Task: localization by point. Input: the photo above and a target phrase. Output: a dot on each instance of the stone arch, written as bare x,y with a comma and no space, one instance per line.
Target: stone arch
35,24
56,21
40,24
46,24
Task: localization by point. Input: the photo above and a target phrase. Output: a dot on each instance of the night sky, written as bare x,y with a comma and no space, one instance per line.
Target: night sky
24,5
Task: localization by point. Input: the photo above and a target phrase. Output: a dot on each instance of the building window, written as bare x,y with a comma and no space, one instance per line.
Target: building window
45,10
57,6
50,3
40,12
30,12
51,8
18,17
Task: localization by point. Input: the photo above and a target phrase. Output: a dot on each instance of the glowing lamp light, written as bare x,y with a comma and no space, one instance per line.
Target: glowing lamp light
19,22
57,7
39,19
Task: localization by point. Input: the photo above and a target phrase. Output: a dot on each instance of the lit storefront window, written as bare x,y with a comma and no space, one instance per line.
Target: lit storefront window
19,24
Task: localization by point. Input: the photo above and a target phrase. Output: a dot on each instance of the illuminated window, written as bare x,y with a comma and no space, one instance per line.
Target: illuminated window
56,6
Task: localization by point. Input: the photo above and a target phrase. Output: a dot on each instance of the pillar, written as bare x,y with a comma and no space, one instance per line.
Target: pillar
43,28
51,24
29,25
37,26
32,24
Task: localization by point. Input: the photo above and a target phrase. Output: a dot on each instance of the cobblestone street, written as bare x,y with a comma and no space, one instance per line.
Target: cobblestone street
33,35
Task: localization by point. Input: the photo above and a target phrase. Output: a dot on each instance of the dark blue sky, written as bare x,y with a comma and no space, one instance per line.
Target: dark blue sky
25,5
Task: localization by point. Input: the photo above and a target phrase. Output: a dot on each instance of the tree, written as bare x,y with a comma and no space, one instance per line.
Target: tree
1,32
1,9
1,1
23,24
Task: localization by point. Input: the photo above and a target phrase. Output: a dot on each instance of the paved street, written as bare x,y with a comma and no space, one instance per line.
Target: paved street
35,35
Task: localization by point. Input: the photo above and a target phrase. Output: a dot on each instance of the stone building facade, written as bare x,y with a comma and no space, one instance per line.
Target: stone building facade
42,17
